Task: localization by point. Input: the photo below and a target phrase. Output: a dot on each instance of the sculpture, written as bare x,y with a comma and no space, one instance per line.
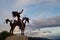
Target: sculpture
21,23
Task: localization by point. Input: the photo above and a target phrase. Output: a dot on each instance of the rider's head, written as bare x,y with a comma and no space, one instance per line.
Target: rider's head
14,13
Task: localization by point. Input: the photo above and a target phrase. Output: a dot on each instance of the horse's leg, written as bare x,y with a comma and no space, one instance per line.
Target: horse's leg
12,30
22,31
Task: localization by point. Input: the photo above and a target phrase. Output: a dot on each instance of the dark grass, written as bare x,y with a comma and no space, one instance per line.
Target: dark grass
4,35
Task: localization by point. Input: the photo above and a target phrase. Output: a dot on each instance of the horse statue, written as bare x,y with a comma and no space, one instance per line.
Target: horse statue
21,23
14,24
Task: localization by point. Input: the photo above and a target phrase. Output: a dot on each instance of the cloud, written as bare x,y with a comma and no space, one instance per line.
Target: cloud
36,6
48,22
21,3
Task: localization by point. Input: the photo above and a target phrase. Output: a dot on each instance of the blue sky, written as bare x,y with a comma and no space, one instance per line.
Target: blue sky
43,13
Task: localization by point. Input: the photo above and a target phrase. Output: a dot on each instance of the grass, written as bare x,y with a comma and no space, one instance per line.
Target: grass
4,35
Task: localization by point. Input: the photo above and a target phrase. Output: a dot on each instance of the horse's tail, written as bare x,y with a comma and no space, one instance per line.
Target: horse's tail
7,20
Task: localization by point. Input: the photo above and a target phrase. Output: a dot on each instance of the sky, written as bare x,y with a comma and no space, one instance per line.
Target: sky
44,15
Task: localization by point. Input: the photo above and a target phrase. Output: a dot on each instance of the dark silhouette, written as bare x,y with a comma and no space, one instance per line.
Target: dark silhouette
19,22
15,13
15,23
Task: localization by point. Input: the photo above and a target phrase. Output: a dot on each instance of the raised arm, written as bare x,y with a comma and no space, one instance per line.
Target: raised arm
21,11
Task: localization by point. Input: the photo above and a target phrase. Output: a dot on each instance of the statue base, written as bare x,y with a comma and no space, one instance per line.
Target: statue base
14,37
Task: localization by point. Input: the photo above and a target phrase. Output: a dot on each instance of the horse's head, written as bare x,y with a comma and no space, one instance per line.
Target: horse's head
26,19
7,20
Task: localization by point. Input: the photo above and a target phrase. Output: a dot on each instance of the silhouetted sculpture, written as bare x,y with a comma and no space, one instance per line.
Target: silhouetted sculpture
19,22
14,24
